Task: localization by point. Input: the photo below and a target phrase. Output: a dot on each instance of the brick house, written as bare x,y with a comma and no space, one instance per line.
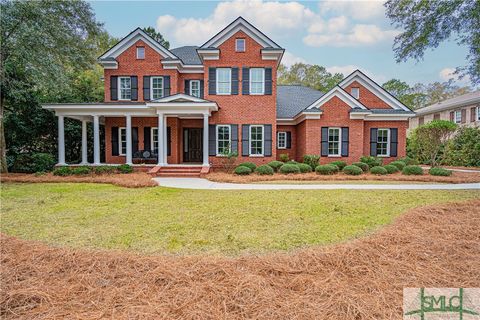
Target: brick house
189,105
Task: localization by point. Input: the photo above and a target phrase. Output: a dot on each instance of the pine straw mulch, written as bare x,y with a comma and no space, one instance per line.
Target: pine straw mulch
362,279
129,180
456,177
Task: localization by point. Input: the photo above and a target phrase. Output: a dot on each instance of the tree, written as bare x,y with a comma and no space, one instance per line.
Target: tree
157,36
429,23
313,76
403,92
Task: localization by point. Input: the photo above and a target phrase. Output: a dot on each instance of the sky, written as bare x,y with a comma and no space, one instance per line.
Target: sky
339,35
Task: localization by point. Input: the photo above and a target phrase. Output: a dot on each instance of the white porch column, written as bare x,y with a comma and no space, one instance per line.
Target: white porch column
165,142
129,139
205,140
161,124
61,141
84,142
96,139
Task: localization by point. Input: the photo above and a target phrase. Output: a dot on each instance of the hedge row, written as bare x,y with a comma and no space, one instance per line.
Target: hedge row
85,170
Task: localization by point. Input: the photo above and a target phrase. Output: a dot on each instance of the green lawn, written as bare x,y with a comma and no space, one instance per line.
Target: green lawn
159,220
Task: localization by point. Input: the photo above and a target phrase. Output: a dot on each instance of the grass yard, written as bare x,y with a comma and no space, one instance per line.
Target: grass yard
162,220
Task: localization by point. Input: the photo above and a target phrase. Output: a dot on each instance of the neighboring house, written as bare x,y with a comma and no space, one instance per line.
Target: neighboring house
189,105
463,110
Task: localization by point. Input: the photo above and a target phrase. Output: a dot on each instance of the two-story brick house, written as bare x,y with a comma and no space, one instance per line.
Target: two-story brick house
189,105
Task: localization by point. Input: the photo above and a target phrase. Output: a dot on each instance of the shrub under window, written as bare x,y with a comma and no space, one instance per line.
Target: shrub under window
62,171
264,170
378,170
304,168
125,168
275,165
326,169
250,165
83,170
312,160
242,170
391,168
339,164
288,168
371,161
399,164
361,165
352,170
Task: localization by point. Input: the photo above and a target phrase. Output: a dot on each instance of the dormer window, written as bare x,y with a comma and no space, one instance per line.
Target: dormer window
240,45
355,93
141,53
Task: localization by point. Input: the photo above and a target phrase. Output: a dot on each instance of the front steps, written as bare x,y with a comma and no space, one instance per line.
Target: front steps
178,171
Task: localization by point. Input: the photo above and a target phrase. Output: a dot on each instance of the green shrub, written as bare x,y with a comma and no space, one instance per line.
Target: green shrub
304,168
408,161
81,170
125,168
284,157
379,170
288,168
361,165
352,170
371,161
43,162
105,169
391,168
32,162
312,160
250,165
399,164
292,162
339,164
62,171
264,169
412,170
440,172
464,148
242,170
275,165
326,169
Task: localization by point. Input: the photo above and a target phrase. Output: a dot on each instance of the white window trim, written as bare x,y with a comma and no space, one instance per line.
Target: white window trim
120,140
244,45
151,87
357,90
477,118
339,154
229,138
152,141
388,143
278,139
199,89
143,53
455,116
229,85
263,82
120,88
250,140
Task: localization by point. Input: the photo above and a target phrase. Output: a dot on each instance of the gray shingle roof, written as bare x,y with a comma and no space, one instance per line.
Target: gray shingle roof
383,111
188,54
293,99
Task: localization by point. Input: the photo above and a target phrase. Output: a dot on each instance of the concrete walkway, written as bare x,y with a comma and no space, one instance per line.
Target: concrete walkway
456,169
199,183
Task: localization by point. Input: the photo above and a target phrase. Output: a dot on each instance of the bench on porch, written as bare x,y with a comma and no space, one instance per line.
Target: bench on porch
145,155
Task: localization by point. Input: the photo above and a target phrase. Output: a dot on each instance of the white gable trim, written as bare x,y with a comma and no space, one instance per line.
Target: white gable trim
340,93
180,97
240,24
357,75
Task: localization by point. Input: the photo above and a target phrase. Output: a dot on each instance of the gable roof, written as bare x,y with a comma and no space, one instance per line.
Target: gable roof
188,55
452,103
180,97
342,95
293,99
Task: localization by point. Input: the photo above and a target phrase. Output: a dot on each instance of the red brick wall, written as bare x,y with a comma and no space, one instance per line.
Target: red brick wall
367,98
292,152
402,127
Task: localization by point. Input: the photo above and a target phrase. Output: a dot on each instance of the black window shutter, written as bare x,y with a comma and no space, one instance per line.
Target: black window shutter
345,141
212,80
113,88
267,130
245,140
212,140
134,84
234,90
134,139
289,140
324,146
268,81
393,142
187,87
146,88
169,141
114,141
373,141
166,86
147,138
245,81
234,135
202,89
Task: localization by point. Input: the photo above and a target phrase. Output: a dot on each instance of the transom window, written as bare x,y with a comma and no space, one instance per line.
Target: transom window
256,140
334,141
282,140
383,142
257,80
355,93
125,88
154,140
240,45
157,87
122,141
224,80
195,88
458,116
140,52
223,139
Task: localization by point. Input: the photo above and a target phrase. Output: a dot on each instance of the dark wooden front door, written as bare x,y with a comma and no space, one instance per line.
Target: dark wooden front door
192,145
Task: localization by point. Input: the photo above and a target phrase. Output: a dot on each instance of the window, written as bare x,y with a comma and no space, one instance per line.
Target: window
154,140
478,114
257,80
436,116
195,88
355,93
140,53
224,82
223,139
240,45
256,140
156,87
383,142
457,116
122,141
334,141
125,88
281,140
421,121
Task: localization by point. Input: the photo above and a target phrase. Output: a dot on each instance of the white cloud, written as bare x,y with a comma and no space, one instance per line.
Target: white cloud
447,74
359,9
290,59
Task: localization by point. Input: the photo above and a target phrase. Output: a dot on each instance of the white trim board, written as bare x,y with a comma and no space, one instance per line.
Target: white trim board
339,93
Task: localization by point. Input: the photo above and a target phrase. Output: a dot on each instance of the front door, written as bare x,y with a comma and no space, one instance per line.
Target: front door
192,145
